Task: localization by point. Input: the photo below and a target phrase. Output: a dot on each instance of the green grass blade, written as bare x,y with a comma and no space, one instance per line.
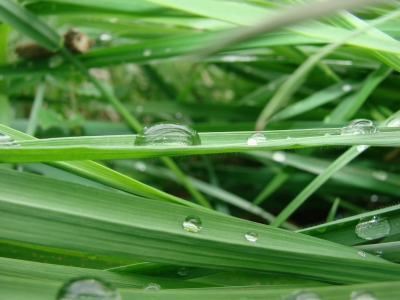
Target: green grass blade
23,20
37,104
388,251
97,220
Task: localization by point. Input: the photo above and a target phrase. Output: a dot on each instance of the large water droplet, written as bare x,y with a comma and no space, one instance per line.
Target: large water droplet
302,295
152,287
362,295
88,289
374,229
167,134
55,61
6,141
147,52
380,175
359,126
182,272
279,156
255,138
251,236
393,122
192,224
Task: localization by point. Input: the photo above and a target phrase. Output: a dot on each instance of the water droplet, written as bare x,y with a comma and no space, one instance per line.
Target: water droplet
167,134
152,287
288,138
378,253
362,295
327,135
255,138
105,37
6,141
178,115
393,122
279,156
139,109
141,166
361,253
374,198
113,20
347,87
55,61
380,175
192,224
147,52
166,50
88,289
182,272
251,236
361,148
374,229
359,126
302,295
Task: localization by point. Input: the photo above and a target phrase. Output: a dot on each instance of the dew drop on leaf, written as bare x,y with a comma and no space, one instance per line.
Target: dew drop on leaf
373,229
152,287
147,52
88,289
279,156
192,224
182,272
359,126
251,236
362,295
167,134
255,138
380,175
6,141
302,295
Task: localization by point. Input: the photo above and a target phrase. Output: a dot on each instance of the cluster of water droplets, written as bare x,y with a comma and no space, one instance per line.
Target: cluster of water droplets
359,126
372,229
88,289
167,134
7,141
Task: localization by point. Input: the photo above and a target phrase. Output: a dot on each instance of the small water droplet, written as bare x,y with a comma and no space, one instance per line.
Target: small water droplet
361,253
302,295
359,126
178,115
55,61
327,135
288,138
147,52
393,122
378,253
373,229
105,37
347,87
152,287
139,109
141,166
113,20
182,272
192,224
362,295
166,50
251,236
255,138
361,148
88,289
279,156
6,141
380,175
374,198
167,134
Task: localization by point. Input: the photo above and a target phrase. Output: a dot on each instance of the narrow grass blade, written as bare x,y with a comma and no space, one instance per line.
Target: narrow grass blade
23,20
333,210
37,104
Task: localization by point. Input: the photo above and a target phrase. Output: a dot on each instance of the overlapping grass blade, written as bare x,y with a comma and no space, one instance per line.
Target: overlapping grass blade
85,222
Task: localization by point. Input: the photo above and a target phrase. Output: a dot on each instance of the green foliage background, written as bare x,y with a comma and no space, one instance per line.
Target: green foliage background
78,198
